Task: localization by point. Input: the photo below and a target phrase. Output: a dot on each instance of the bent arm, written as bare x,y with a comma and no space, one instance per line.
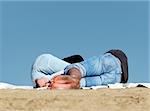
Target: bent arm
47,65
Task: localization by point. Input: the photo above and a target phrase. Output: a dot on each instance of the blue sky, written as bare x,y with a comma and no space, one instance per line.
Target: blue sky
64,28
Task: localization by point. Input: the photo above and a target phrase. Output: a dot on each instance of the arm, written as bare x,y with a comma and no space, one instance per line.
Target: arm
39,78
44,67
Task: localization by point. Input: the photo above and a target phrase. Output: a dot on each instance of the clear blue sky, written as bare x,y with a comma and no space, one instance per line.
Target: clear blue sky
29,29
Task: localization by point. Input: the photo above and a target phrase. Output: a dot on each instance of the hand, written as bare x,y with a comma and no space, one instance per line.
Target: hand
64,82
75,73
43,82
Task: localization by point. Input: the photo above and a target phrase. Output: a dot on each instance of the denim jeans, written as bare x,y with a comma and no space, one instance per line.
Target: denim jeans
97,70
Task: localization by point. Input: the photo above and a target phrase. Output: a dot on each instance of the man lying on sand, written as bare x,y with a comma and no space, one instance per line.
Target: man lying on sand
108,68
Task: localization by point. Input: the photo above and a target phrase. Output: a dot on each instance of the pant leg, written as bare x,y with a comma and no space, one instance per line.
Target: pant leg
45,65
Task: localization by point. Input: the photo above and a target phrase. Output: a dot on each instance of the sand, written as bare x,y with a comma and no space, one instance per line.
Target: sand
132,99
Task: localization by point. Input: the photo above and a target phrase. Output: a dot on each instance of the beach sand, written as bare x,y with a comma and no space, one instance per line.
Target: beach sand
132,99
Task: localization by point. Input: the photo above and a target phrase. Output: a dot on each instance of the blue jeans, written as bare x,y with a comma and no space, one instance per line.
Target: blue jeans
97,70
